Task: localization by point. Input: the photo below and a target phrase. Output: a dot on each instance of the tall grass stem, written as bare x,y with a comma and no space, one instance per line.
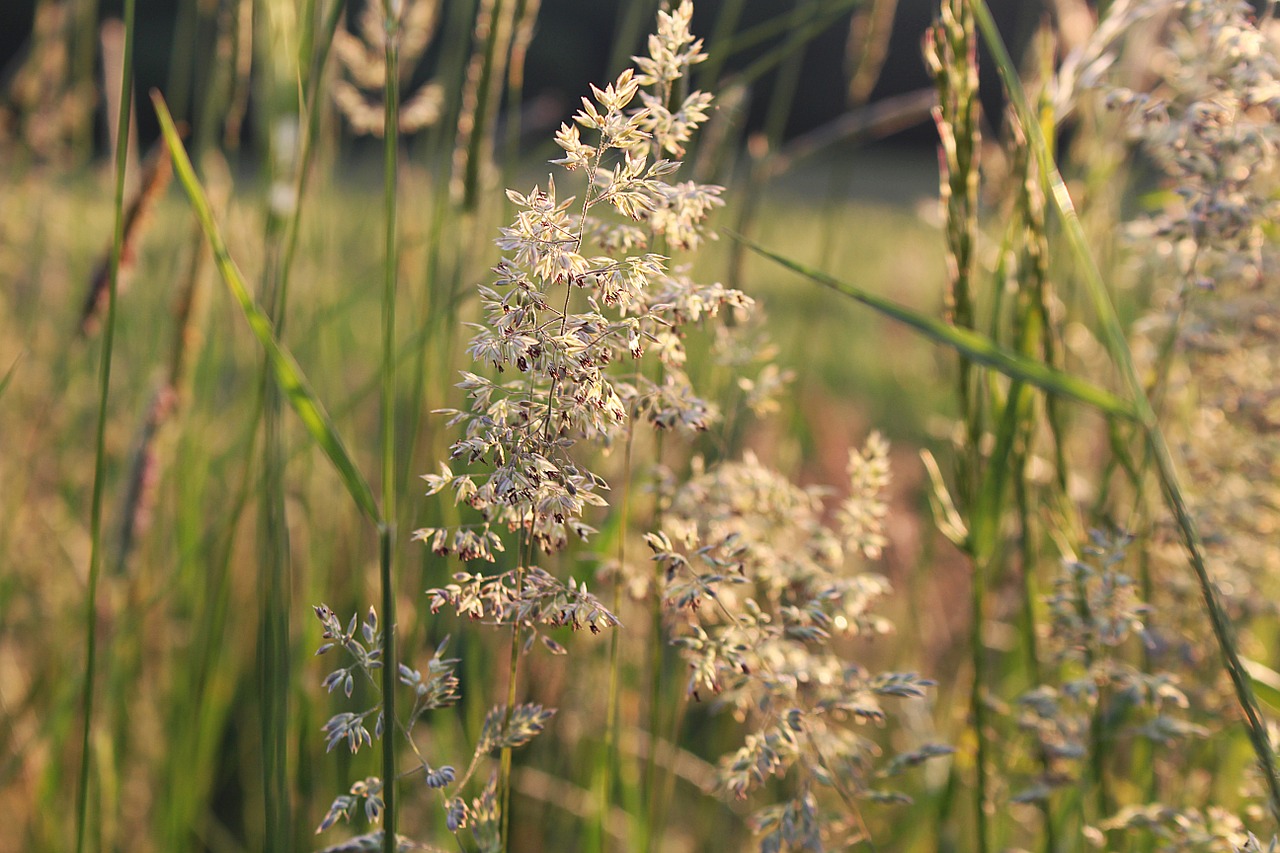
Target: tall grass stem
605,773
387,529
100,450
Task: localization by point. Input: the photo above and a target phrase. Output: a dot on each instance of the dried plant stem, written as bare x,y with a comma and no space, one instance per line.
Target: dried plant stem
387,527
100,451
1153,437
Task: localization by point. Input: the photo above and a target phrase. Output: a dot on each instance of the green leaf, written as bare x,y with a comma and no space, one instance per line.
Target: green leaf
288,374
1266,682
974,345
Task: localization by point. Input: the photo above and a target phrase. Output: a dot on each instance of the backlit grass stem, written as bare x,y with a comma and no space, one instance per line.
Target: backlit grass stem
609,758
387,528
975,345
100,450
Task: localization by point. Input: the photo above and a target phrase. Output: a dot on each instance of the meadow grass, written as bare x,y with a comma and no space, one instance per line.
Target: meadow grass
1061,675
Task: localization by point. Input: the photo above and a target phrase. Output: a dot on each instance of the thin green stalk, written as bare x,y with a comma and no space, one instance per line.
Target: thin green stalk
728,14
1118,349
273,641
605,773
282,234
525,17
182,59
312,105
100,450
387,529
513,671
273,646
657,659
1033,337
1030,642
484,78
798,21
504,767
84,59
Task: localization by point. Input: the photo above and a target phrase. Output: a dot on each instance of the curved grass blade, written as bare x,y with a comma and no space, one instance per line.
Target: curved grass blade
973,345
290,376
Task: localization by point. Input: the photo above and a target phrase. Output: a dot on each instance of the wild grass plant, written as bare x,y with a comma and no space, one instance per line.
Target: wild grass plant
786,658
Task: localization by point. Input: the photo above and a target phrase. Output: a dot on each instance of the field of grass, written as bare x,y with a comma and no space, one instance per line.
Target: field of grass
992,567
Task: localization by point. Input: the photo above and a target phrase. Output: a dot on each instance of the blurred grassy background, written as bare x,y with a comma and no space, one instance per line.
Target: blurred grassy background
176,743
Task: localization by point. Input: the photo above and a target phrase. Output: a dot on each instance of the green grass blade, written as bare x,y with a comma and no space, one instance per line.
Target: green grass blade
290,376
973,345
8,375
387,530
100,449
1118,348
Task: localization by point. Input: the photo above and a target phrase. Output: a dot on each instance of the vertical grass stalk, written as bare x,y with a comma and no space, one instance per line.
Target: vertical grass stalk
952,56
100,451
609,758
387,529
493,33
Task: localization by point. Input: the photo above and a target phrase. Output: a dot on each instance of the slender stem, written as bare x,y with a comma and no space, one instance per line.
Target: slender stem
504,778
952,55
657,659
100,450
1118,349
513,672
387,530
312,107
386,550
273,664
977,700
615,650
